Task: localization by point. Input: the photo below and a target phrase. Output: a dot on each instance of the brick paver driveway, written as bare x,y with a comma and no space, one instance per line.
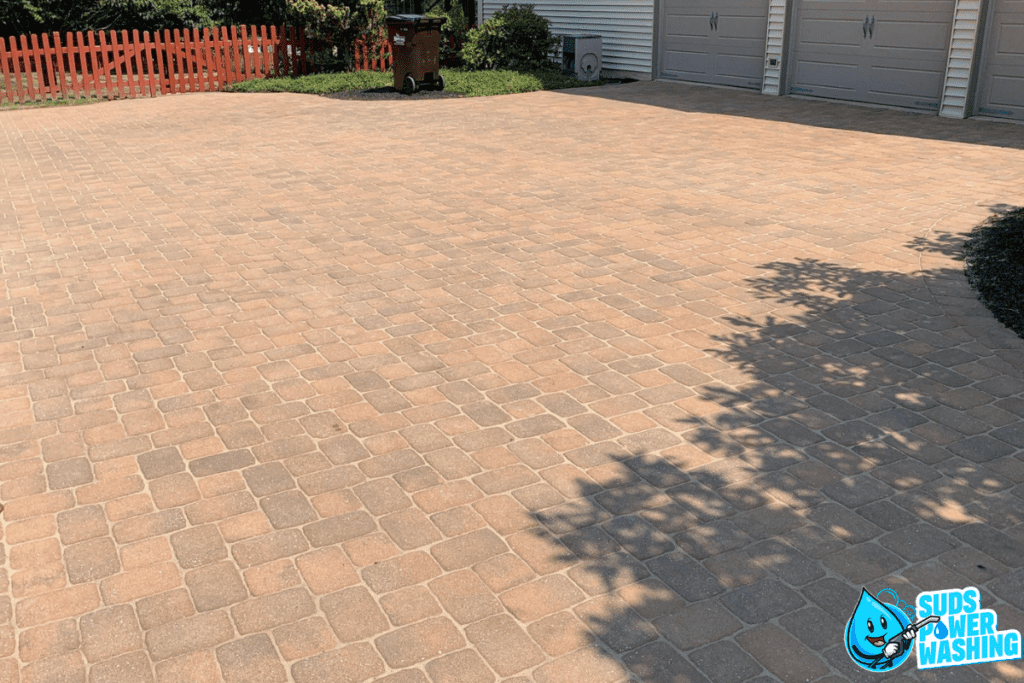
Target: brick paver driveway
644,383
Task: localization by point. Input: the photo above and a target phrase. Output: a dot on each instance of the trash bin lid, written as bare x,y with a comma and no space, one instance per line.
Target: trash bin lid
414,19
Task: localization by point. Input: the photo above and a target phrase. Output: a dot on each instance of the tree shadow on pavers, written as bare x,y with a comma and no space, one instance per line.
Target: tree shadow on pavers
701,99
873,446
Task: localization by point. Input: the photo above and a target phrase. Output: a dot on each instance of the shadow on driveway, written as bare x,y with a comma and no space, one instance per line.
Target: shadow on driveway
869,449
692,98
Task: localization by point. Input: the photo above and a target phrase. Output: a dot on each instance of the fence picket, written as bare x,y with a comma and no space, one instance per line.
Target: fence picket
108,86
95,60
206,78
228,77
271,55
115,63
171,63
131,55
60,54
52,55
236,68
229,56
265,57
248,34
106,59
188,61
43,80
23,70
147,67
56,65
45,67
193,54
146,70
117,60
176,71
81,63
221,49
26,60
257,50
201,68
156,64
7,95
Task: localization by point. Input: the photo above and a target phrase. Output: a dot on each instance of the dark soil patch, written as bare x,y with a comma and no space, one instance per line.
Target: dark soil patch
389,93
994,263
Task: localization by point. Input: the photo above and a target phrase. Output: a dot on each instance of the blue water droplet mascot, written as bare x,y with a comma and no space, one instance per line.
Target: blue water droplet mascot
879,636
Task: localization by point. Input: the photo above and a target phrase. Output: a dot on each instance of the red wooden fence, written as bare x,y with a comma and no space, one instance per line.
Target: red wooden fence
373,54
113,65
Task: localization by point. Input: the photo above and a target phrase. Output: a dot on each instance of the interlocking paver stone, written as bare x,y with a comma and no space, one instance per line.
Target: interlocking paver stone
515,426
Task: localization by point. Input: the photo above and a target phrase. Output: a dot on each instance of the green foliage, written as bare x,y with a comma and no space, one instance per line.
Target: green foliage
18,17
338,23
453,33
515,37
248,12
324,23
146,15
44,16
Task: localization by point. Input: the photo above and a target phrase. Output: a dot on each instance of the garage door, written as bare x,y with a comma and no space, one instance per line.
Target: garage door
714,41
1002,81
889,52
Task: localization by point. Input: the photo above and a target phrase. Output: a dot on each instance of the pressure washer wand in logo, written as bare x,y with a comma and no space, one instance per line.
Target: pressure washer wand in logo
900,642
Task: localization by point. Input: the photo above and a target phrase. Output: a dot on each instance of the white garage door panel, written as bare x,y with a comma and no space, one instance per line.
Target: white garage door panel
747,29
1011,38
839,77
688,25
1002,80
686,63
897,82
728,51
1007,92
742,70
927,36
831,33
898,57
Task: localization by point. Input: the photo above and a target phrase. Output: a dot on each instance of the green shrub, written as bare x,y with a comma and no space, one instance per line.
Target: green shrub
322,21
515,37
453,34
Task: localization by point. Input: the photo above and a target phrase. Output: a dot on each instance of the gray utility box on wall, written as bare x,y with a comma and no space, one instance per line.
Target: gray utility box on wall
581,55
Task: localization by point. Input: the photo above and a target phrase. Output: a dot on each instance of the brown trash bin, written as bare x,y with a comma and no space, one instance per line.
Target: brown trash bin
415,48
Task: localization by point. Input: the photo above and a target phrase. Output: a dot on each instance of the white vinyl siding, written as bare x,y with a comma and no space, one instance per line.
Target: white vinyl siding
626,28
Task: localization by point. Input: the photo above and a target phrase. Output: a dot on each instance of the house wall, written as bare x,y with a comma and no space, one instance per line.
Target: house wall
626,28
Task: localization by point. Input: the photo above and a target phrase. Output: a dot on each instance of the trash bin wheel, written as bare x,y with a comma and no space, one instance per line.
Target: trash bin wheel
408,85
439,83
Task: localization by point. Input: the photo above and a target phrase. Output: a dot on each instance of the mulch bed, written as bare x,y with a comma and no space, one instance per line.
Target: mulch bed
994,263
389,93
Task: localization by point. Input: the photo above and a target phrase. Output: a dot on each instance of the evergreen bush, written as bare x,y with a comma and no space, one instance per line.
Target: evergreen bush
514,38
